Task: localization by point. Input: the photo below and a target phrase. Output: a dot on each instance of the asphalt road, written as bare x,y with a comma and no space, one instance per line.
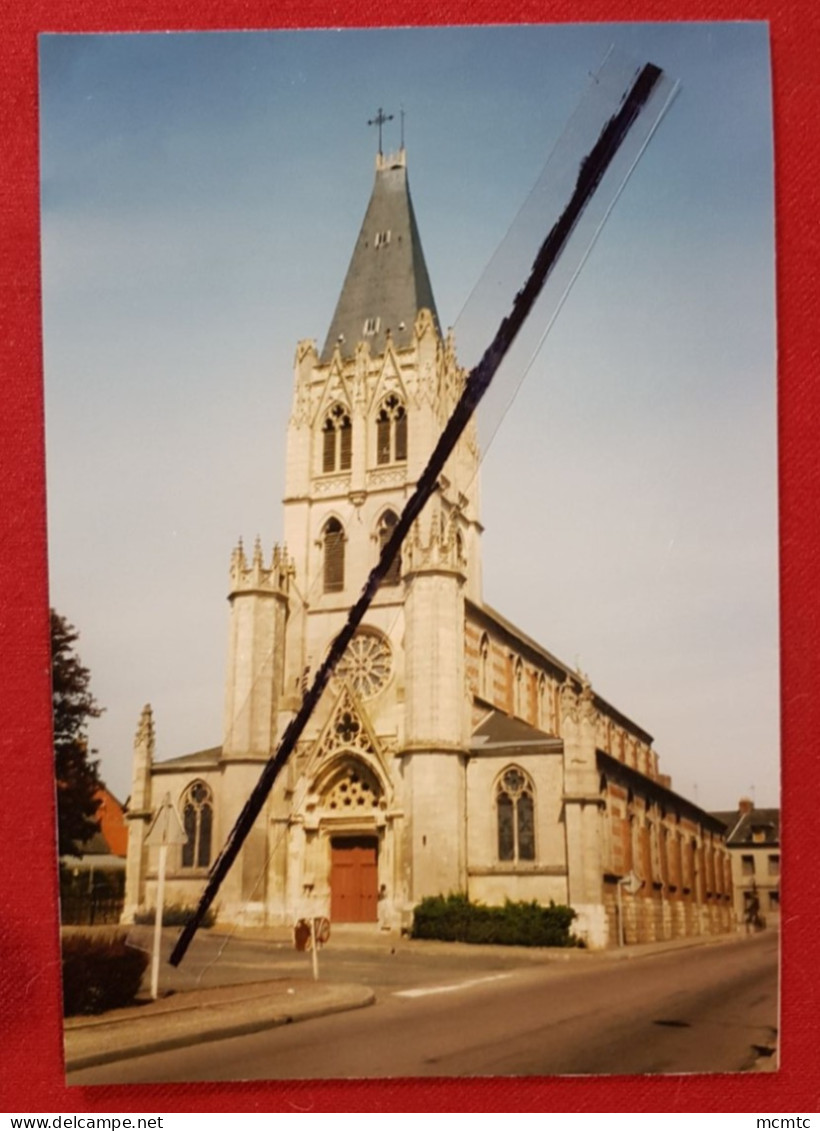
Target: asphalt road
702,1009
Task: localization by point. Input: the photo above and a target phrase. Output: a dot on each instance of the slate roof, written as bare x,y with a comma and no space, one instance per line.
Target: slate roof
499,731
387,278
741,827
210,756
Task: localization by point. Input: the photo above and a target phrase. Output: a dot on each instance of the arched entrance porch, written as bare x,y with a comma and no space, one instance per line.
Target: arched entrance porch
352,827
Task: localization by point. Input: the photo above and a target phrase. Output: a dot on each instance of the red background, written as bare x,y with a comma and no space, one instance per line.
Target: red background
31,1073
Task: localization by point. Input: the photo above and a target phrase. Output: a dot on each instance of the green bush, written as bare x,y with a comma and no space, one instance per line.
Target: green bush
100,972
454,919
174,915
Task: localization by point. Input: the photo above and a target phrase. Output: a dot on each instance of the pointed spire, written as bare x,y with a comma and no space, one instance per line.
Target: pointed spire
143,759
145,729
387,283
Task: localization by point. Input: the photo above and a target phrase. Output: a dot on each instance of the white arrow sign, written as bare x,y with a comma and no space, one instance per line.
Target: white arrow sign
632,883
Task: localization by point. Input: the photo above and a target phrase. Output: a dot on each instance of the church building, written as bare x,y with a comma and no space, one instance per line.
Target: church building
450,751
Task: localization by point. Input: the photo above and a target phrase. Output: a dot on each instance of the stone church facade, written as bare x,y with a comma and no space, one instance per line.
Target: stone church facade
450,751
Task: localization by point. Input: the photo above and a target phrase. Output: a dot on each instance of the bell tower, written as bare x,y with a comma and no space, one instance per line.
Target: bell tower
367,411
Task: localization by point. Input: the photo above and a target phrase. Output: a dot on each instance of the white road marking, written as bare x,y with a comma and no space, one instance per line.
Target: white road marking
423,991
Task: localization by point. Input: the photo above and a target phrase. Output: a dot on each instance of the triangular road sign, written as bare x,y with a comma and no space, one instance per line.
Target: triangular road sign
167,827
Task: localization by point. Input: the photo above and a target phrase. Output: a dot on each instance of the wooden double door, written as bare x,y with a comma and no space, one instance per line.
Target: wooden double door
354,879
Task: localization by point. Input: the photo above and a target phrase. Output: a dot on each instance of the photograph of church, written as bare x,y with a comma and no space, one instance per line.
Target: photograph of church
451,752
571,670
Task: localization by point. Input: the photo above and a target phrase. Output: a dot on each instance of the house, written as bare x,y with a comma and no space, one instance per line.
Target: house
753,840
92,883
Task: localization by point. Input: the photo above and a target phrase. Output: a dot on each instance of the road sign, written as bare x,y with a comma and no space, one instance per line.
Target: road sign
631,883
322,930
167,827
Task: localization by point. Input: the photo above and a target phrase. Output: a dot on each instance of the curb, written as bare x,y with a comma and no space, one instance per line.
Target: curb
187,1037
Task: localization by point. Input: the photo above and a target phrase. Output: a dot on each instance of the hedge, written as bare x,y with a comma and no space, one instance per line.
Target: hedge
100,972
454,919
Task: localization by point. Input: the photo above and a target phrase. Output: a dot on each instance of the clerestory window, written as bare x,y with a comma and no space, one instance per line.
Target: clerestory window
197,820
515,813
391,431
337,437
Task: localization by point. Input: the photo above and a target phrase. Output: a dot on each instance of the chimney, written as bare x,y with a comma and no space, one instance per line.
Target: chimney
745,805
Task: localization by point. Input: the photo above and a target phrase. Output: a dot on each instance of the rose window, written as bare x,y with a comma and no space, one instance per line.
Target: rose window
366,664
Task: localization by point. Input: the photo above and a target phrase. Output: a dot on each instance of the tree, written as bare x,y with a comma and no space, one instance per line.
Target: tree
76,773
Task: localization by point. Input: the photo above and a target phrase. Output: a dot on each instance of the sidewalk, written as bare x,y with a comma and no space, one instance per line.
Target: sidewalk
184,1019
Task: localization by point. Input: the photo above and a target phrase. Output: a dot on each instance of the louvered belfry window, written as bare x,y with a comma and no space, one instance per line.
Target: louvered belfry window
386,526
391,431
337,440
334,549
401,435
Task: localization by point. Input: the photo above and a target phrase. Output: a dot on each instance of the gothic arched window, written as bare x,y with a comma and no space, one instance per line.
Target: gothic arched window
515,813
333,538
387,524
197,819
337,437
391,431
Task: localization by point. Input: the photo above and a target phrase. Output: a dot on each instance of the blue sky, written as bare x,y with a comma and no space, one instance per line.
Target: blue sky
201,196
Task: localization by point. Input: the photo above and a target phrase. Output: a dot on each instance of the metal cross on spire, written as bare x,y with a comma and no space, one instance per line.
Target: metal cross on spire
379,121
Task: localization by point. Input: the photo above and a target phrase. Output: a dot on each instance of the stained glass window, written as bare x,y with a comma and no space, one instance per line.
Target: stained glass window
367,663
515,812
197,820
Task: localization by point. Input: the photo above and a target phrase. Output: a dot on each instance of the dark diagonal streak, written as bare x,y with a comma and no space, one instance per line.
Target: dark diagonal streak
592,169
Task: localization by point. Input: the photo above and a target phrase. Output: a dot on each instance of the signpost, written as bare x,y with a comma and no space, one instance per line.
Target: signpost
310,935
631,883
166,829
